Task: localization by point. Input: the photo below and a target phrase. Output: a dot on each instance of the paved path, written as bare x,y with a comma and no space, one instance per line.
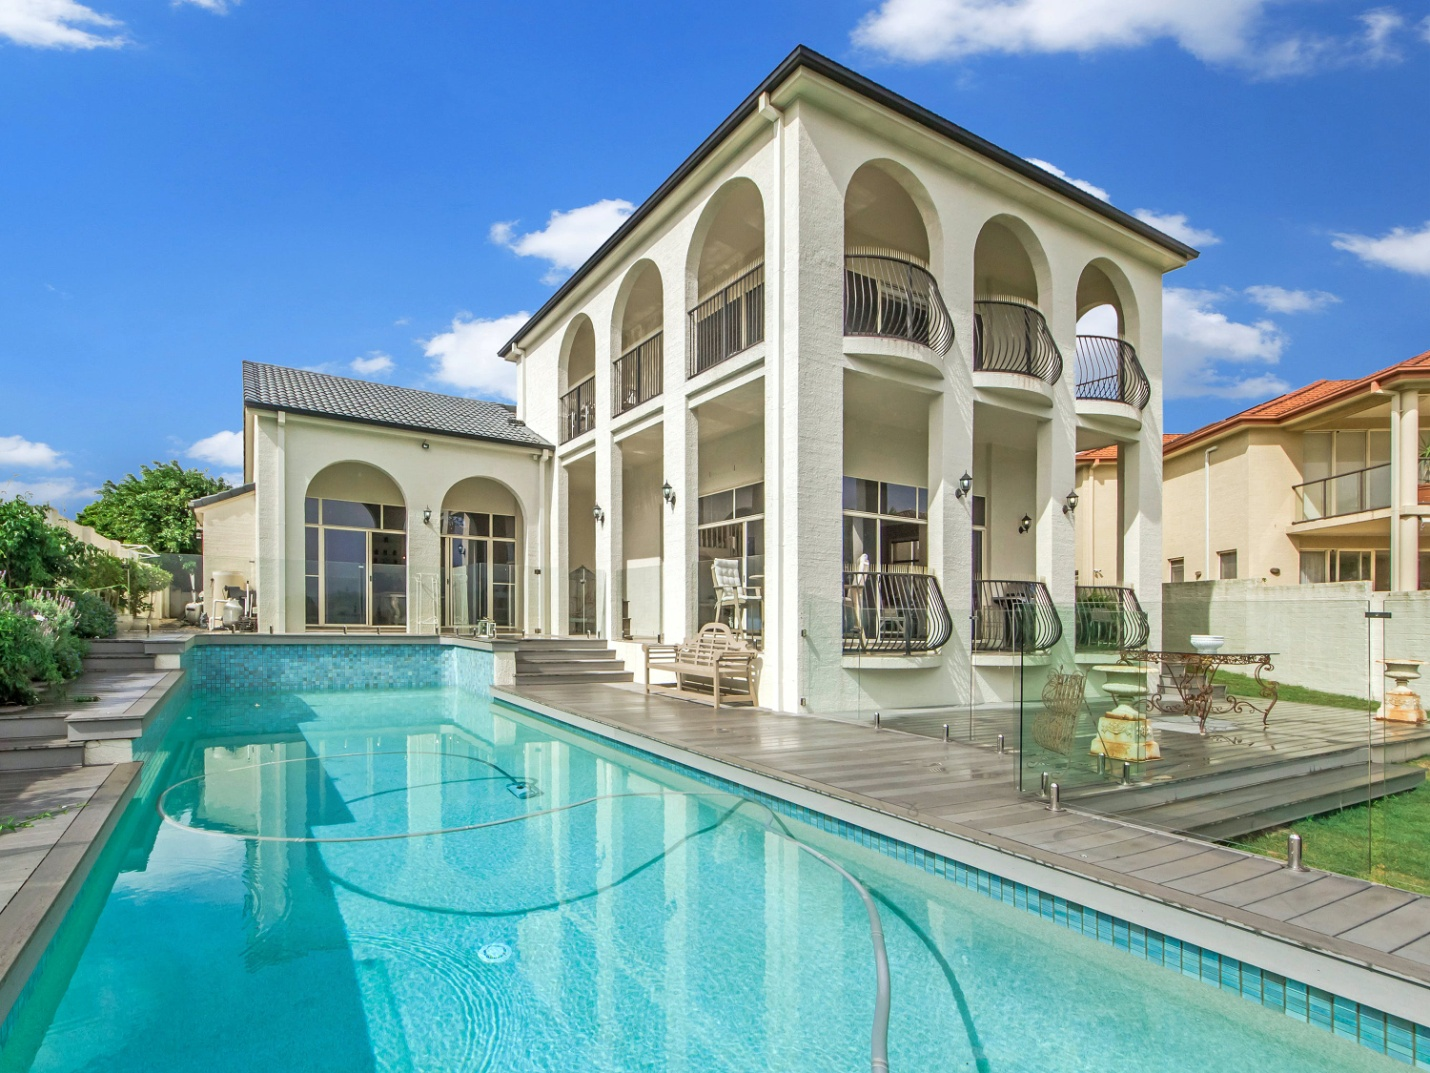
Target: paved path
971,793
24,794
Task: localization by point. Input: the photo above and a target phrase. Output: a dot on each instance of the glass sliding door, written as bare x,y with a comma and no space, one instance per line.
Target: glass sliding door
355,564
480,566
345,577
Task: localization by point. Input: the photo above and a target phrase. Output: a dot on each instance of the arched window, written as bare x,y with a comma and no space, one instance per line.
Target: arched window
355,571
637,371
727,277
481,555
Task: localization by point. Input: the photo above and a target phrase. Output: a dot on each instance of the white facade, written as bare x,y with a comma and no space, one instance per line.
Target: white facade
816,172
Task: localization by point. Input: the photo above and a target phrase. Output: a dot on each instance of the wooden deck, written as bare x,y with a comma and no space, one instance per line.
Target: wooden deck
971,792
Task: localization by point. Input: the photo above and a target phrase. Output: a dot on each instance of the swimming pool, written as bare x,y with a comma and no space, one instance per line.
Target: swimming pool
416,879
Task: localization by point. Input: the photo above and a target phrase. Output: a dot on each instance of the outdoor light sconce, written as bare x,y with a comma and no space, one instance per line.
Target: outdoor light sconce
1025,524
965,485
668,494
1070,504
598,514
426,446
426,515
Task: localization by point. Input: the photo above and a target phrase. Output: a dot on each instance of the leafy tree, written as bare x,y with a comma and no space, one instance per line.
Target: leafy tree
152,508
33,552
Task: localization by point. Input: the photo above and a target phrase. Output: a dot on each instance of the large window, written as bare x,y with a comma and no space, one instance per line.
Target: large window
479,569
355,571
1346,565
888,523
732,527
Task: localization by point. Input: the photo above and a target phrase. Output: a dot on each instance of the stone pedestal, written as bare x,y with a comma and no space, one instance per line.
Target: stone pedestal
1124,733
1402,704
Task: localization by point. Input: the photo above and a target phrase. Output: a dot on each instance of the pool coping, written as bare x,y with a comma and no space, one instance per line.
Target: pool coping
34,913
1189,918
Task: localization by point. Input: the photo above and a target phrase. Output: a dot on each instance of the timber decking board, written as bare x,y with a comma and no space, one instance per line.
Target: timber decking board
893,771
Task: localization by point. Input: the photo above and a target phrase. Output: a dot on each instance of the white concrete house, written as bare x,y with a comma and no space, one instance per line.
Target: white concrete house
793,353
825,385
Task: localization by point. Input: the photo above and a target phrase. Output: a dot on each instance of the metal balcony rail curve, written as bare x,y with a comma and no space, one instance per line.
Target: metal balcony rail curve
1343,493
894,298
1014,616
578,410
1010,337
636,376
894,613
1110,617
729,321
1108,371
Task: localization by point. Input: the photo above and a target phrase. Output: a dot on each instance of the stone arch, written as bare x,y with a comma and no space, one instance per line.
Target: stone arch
887,209
578,353
356,555
1009,263
1103,284
483,532
639,310
729,239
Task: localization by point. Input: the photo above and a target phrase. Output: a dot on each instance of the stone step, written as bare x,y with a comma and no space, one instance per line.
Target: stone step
41,755
117,646
31,723
540,644
574,679
566,655
105,663
1275,802
568,666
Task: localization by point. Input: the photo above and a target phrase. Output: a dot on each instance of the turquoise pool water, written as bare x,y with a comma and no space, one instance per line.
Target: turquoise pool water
624,920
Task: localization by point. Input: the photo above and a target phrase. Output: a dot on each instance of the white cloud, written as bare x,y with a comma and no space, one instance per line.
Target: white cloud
1178,226
374,363
1402,249
56,490
220,449
1099,320
58,24
568,237
1226,32
18,451
1202,349
1425,30
465,356
1081,184
218,7
1280,300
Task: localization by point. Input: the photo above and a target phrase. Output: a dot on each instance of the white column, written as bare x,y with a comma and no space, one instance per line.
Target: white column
1405,491
681,451
269,519
559,583
950,520
610,552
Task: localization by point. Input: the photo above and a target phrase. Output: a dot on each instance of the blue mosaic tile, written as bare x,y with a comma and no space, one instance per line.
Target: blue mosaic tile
1370,1024
1422,1046
1251,983
1296,1000
1273,991
1400,1039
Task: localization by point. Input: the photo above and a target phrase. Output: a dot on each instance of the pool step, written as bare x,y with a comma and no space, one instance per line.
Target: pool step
47,754
31,724
567,661
116,655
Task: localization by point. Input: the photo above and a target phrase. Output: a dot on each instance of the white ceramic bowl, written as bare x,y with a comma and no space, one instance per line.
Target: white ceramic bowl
1207,643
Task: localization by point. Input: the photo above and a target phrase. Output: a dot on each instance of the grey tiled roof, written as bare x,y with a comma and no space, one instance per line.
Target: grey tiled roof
299,391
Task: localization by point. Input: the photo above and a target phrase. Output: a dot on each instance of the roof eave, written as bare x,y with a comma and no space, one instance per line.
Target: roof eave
537,445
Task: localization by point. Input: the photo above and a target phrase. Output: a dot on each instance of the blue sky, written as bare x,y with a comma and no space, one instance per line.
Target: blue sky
383,188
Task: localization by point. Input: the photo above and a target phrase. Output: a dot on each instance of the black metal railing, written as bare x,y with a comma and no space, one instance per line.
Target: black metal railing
729,321
894,614
637,374
894,298
1110,617
1014,616
578,409
1345,493
1010,337
1108,370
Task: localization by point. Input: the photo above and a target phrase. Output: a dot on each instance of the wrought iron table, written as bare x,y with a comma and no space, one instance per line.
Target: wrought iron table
1194,676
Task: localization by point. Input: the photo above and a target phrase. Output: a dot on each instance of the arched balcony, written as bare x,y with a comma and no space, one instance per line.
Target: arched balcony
727,278
1108,371
1011,337
892,297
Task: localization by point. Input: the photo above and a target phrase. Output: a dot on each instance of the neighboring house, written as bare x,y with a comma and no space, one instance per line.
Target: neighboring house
826,385
1328,483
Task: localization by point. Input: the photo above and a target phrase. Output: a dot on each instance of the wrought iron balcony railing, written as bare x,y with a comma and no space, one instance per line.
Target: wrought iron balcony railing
729,321
577,413
894,613
1010,337
1345,493
1014,616
1109,617
894,298
1108,371
637,374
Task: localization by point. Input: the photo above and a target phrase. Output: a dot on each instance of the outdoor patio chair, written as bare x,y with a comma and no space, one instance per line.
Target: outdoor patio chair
1055,727
732,593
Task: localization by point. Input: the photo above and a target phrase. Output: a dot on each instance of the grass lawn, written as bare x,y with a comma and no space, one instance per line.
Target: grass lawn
1387,841
1243,685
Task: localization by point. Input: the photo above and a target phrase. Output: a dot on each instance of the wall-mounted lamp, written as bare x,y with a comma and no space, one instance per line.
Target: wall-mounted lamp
426,446
668,494
1070,503
426,515
1025,524
965,485
598,514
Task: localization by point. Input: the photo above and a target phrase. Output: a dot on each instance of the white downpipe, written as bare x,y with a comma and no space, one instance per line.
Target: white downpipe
542,566
774,377
1207,510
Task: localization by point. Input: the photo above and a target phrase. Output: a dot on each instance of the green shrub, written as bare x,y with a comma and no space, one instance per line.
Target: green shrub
93,616
37,643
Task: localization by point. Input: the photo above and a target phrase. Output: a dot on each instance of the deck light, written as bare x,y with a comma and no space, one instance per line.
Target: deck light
1025,524
1071,502
668,494
965,485
598,514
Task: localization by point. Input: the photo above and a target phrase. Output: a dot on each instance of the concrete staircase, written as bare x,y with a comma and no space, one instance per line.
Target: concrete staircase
1231,804
117,655
567,661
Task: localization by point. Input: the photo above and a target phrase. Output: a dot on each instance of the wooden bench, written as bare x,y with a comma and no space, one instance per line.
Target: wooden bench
714,655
